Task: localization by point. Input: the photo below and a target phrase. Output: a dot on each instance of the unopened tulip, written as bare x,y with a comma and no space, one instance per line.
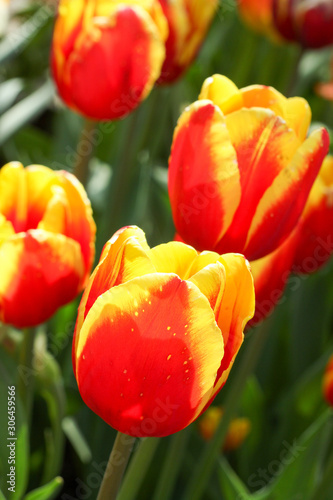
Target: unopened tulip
157,332
47,237
106,56
241,168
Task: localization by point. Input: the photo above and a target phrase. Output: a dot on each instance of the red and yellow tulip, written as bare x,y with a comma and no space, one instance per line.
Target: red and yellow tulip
315,227
157,332
188,22
241,168
47,236
106,56
238,430
328,382
309,23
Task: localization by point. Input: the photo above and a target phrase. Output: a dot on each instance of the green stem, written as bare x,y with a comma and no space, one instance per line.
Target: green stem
292,85
325,486
137,469
26,370
84,150
116,466
171,465
122,176
206,463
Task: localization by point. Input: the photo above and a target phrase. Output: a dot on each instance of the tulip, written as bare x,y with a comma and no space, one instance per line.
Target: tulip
238,430
328,382
258,15
270,276
106,56
315,227
308,23
157,332
241,168
46,242
188,22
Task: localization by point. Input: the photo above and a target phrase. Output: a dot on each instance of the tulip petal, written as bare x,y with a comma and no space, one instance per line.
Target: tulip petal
315,227
129,47
6,228
158,367
297,114
260,138
262,96
222,92
203,207
270,275
235,310
282,204
124,257
173,257
32,263
211,282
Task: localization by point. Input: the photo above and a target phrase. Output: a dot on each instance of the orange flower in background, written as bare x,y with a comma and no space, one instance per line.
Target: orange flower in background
188,22
241,168
258,15
238,430
325,89
47,236
328,382
106,56
157,332
309,23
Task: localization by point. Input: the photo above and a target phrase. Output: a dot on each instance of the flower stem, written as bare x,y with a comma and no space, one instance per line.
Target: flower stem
116,466
138,468
84,150
26,371
205,464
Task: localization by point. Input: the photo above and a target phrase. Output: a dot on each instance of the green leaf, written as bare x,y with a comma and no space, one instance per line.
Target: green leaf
18,39
296,468
49,386
9,378
46,492
231,485
77,439
25,111
9,91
